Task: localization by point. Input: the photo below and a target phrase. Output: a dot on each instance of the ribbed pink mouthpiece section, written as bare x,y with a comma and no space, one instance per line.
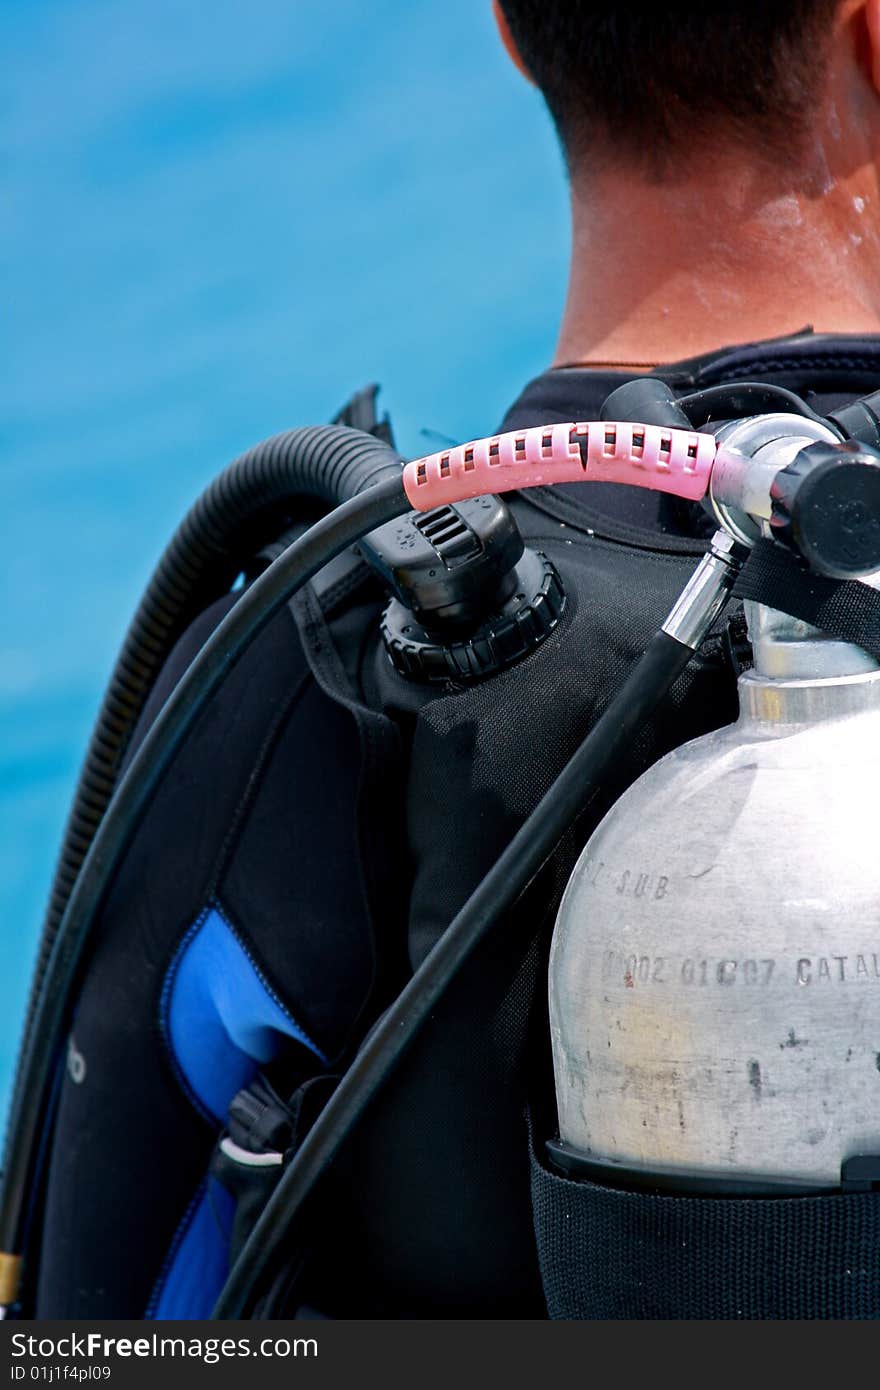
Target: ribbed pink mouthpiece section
667,460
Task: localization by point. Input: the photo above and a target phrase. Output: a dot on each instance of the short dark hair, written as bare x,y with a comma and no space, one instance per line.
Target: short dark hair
659,80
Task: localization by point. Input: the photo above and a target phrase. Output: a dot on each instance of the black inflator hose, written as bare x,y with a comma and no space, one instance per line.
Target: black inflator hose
328,463
653,401
610,739
733,399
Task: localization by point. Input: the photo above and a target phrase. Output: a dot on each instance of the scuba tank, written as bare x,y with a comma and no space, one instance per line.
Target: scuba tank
715,969
715,974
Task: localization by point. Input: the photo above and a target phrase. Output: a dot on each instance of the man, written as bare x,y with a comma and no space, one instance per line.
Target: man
715,155
725,179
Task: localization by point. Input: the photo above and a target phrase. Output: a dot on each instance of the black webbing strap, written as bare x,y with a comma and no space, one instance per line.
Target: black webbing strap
610,1254
845,609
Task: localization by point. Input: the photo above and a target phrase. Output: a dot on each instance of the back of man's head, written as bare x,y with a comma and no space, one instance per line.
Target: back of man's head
654,82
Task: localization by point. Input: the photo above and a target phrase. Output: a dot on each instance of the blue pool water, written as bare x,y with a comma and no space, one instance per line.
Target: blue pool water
217,221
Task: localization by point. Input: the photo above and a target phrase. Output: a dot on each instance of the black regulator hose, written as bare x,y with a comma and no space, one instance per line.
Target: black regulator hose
652,401
735,399
611,737
330,464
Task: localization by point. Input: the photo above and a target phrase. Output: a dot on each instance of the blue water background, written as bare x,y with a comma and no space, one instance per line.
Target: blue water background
217,220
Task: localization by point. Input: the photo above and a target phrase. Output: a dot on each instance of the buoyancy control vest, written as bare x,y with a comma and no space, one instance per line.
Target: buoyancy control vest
312,841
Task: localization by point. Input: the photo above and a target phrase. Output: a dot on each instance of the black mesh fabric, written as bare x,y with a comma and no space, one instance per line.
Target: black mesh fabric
610,1254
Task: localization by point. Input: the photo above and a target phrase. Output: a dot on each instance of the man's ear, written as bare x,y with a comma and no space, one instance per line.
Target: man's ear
872,17
508,40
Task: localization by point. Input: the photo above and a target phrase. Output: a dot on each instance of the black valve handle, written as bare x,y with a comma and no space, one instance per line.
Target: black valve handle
826,507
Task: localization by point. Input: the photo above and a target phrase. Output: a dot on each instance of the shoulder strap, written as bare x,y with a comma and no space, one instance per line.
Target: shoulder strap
846,609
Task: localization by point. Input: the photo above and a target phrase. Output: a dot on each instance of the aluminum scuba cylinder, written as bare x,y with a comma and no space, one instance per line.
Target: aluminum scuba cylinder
715,968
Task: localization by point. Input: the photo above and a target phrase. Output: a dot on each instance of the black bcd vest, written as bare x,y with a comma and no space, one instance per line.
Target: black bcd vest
336,816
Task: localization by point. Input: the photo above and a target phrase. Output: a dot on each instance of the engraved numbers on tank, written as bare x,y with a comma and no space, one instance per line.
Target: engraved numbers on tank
632,969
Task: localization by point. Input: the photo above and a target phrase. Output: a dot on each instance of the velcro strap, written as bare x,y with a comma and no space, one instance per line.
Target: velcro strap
846,609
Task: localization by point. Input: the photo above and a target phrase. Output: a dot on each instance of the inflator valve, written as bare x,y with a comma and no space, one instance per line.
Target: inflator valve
468,598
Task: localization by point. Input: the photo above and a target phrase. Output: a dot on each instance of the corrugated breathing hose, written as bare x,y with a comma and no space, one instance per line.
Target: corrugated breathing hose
240,510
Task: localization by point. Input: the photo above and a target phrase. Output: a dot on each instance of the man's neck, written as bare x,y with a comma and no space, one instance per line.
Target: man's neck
664,271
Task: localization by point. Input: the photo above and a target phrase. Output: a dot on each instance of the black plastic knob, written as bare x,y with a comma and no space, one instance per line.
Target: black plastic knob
449,567
826,506
514,630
